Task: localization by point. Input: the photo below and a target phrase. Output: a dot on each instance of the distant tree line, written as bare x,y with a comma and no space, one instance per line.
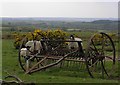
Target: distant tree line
25,25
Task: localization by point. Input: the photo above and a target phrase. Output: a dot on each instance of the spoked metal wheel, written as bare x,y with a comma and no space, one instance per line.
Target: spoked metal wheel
27,58
100,56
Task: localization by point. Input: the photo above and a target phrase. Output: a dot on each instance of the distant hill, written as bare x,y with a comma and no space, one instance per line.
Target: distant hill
59,19
63,23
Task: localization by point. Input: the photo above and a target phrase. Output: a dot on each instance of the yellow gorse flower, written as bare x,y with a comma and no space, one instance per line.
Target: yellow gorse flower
38,34
37,31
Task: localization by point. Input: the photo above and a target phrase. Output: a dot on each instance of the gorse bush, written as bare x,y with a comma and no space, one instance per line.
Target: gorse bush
18,38
98,38
57,34
38,35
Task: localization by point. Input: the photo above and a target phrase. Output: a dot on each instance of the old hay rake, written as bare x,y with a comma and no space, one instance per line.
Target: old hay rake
98,57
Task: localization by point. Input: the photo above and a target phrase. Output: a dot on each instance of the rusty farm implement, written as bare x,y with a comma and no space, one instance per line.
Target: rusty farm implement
98,57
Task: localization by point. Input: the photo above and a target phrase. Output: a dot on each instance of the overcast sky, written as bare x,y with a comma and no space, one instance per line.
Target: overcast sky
60,8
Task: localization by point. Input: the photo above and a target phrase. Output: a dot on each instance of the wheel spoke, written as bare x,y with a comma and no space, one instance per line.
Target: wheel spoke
31,54
109,57
100,55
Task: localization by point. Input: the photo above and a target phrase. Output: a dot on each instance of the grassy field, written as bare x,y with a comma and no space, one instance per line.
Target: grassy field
53,75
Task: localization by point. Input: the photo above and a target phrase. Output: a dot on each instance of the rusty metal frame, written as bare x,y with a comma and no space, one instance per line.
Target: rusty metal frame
83,54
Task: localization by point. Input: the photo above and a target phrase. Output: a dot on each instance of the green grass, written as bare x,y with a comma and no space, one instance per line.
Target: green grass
53,75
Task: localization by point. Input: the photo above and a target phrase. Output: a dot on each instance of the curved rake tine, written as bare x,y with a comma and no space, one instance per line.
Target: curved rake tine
12,76
50,65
